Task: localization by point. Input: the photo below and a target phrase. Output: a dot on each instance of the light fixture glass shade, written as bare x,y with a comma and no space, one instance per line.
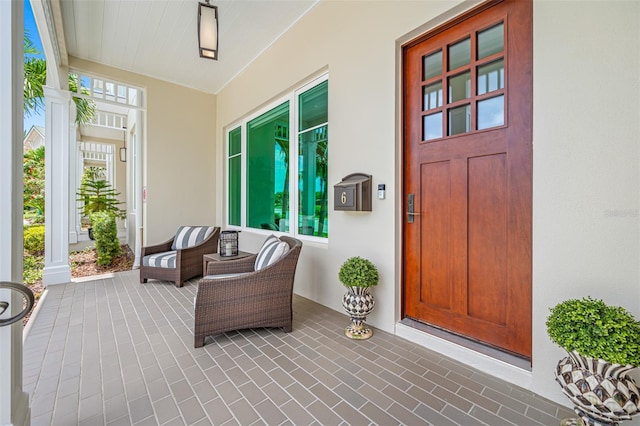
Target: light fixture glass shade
208,31
123,154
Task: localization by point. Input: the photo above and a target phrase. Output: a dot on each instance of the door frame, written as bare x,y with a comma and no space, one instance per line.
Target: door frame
501,364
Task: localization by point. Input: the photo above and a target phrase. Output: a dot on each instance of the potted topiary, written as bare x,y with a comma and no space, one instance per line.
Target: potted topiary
358,275
603,343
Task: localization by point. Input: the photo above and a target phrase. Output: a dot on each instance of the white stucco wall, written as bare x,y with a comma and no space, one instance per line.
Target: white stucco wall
359,53
586,135
178,150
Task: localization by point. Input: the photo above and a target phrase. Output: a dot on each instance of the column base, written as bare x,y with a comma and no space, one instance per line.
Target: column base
56,275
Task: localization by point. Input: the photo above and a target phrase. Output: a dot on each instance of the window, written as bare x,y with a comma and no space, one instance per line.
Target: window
474,80
277,165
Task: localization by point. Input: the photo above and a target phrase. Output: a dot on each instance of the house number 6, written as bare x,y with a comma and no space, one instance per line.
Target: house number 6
343,198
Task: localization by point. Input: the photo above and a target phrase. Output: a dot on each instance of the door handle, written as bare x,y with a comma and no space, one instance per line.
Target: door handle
410,207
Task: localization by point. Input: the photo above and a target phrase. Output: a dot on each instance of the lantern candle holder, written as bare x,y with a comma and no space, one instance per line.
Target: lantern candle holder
228,243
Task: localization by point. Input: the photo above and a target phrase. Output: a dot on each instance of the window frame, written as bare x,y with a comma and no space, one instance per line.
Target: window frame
293,98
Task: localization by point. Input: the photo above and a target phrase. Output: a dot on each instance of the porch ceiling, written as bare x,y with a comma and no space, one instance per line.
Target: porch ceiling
159,38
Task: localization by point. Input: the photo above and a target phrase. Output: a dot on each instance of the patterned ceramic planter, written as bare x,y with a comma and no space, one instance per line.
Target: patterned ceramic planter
358,303
601,392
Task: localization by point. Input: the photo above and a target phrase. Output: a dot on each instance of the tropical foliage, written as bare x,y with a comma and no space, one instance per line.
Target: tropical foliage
97,195
33,190
35,78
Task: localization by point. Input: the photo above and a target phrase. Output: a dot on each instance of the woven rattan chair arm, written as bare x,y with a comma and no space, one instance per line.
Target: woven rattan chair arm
245,264
158,248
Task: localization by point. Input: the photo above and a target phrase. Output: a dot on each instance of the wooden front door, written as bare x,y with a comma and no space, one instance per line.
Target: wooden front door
467,182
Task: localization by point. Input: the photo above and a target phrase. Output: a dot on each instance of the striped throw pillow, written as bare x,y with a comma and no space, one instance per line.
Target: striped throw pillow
272,250
189,236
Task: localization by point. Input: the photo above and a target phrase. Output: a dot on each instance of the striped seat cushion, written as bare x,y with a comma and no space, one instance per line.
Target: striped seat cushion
189,236
165,259
272,250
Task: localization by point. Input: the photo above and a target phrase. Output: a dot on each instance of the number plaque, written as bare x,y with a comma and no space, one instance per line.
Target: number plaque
353,193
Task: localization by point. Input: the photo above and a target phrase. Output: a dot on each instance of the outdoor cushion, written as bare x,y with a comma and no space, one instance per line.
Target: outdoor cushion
222,276
272,250
165,259
189,236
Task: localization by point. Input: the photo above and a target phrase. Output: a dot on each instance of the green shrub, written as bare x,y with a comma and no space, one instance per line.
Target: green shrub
32,267
595,329
105,233
358,272
33,188
34,239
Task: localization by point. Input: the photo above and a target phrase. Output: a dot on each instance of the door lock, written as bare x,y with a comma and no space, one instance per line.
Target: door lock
410,208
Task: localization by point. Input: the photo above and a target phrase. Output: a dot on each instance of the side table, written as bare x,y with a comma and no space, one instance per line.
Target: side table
215,257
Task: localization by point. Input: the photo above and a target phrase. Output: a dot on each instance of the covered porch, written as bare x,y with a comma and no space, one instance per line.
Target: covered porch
114,351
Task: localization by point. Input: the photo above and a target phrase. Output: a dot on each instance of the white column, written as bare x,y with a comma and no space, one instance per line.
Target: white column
60,137
137,187
74,183
14,403
79,171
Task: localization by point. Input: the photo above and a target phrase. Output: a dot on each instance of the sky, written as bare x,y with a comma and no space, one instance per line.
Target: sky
36,119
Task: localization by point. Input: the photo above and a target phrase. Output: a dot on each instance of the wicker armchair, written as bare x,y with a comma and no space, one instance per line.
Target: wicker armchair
251,299
180,258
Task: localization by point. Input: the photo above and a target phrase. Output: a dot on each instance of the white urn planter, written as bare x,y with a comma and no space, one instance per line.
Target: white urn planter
603,343
358,275
358,302
602,392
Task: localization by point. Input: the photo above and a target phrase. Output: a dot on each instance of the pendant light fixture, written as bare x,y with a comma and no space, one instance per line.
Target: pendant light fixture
208,30
123,150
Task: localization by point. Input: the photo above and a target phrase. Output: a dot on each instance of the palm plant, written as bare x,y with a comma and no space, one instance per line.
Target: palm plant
35,78
97,195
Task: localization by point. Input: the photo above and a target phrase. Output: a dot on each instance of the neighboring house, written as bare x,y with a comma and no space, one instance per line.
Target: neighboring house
516,135
34,138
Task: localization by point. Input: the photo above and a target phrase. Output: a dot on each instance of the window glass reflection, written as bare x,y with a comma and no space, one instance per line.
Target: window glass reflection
432,65
491,77
459,54
491,113
432,126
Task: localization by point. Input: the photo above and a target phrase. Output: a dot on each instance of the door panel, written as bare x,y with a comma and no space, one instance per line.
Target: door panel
435,190
487,239
467,160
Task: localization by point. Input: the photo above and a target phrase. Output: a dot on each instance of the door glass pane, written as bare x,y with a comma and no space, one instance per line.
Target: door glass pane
491,77
432,126
432,96
491,41
313,162
432,65
460,87
459,119
313,109
235,173
268,169
312,185
98,88
234,141
111,91
491,112
459,54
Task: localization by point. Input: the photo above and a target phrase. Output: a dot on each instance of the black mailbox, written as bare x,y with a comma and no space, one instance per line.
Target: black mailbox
353,193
